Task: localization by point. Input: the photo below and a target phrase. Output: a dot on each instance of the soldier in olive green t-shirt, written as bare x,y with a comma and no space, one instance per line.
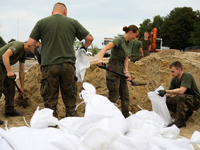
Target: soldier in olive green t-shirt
57,33
119,59
187,95
136,50
146,44
10,54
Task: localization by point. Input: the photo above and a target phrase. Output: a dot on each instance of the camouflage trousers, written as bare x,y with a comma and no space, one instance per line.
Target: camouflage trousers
182,103
146,53
63,76
7,87
135,58
117,85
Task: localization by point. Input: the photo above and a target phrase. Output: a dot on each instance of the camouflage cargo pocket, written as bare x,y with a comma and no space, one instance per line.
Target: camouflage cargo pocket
44,89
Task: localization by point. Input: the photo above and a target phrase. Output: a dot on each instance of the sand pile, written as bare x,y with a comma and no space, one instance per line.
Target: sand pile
152,70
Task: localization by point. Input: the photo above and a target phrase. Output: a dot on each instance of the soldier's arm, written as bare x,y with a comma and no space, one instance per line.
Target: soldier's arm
31,44
88,40
180,90
21,76
6,61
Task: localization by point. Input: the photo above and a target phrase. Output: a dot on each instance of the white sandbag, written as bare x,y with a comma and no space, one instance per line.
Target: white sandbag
100,138
170,132
159,105
136,121
98,108
40,139
70,124
81,64
172,144
195,138
133,140
43,118
4,145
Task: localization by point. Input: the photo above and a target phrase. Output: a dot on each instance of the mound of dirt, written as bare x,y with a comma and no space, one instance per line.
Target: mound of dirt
153,70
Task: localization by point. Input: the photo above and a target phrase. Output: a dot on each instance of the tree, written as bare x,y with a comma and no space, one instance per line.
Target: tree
145,26
157,23
195,35
177,28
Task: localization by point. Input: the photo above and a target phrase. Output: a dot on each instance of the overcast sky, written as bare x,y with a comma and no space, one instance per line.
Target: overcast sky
102,18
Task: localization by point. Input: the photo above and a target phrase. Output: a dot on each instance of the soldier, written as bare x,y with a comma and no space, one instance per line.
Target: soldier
119,59
136,50
187,96
57,33
10,54
146,44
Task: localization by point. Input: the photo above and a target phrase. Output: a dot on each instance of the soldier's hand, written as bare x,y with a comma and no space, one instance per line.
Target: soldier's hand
100,63
83,49
11,74
129,77
161,93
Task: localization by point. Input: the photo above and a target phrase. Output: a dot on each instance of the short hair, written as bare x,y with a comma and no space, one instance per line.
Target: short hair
176,64
59,3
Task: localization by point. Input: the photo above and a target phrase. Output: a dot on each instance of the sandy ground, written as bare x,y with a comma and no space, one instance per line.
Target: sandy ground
152,70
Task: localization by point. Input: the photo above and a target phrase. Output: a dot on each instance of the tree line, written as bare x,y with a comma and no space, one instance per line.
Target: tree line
178,30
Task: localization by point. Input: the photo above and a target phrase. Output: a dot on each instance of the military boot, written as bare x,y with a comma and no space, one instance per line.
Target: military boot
12,114
178,123
188,114
1,122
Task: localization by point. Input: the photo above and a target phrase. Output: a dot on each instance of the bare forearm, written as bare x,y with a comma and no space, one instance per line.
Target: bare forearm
180,90
126,62
21,78
21,74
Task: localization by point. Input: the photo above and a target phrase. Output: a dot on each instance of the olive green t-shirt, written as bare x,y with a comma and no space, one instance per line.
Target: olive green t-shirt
188,81
18,52
57,34
145,43
121,49
135,46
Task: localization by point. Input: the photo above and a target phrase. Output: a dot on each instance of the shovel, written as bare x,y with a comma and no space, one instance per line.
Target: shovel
122,75
24,102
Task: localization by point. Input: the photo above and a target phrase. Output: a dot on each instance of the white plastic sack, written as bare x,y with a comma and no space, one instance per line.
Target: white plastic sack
43,118
101,118
133,140
82,63
24,138
136,121
159,105
170,132
3,143
99,107
195,138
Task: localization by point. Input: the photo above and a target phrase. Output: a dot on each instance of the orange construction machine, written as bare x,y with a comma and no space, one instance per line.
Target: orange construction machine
156,43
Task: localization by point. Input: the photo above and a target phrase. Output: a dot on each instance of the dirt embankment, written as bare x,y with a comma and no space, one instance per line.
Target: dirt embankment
153,70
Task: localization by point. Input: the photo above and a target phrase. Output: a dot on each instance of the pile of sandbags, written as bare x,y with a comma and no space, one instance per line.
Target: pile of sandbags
102,128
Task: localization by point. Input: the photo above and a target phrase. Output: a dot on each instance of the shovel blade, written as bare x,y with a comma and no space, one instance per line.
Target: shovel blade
23,102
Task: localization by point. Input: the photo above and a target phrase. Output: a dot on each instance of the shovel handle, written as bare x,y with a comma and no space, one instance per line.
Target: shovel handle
120,74
13,79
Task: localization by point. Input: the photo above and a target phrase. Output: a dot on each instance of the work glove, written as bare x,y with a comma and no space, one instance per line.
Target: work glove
161,93
83,48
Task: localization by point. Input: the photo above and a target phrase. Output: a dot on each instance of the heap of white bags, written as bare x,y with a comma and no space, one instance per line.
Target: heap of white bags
102,128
